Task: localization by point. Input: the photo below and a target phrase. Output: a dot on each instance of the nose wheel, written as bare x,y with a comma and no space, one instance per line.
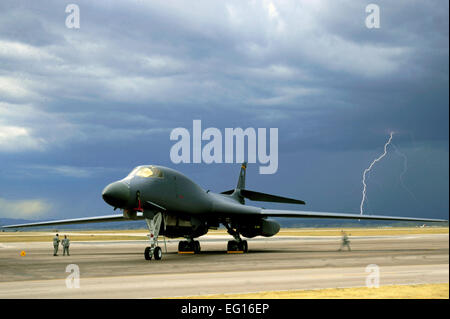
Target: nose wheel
150,253
153,251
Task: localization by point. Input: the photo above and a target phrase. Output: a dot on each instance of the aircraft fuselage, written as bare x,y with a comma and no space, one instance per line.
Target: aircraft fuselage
189,210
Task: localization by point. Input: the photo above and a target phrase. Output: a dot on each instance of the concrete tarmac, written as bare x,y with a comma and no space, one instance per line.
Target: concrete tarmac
117,269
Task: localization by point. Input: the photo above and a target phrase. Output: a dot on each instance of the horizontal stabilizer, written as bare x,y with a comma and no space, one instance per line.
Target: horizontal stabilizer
263,197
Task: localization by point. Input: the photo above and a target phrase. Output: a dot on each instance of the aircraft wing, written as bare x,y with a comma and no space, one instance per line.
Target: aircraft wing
84,220
306,214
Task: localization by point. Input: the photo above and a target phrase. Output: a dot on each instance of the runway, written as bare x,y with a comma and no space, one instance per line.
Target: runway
118,270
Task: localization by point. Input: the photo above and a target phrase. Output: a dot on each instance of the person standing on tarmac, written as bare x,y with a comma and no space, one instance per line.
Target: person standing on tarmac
55,245
65,243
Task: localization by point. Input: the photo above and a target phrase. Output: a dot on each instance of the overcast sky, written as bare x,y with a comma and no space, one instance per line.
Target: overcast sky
79,108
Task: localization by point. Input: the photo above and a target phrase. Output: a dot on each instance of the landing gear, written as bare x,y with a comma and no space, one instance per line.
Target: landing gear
154,250
189,246
234,245
148,253
237,244
244,246
197,247
157,253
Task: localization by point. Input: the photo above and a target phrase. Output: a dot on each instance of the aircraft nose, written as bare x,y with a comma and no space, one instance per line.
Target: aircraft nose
116,194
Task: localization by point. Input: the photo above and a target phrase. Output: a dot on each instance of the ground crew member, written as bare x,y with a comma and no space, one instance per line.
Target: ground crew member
55,245
345,241
65,243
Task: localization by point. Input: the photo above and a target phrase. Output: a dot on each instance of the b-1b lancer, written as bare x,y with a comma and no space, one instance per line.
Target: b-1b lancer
174,206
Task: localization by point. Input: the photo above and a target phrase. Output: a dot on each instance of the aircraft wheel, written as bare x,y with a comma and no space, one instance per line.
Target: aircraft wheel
183,245
243,245
197,247
157,253
147,253
232,245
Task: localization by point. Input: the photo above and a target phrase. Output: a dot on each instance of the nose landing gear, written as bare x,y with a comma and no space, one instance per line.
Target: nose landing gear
157,253
154,250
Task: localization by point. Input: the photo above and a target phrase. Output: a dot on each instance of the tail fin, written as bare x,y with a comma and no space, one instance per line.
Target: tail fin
236,193
240,192
241,180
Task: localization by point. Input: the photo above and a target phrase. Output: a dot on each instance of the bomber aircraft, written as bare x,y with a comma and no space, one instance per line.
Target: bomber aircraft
174,206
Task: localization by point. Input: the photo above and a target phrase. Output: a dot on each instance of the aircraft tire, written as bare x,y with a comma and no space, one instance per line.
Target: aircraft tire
147,253
197,247
183,245
232,245
243,245
157,253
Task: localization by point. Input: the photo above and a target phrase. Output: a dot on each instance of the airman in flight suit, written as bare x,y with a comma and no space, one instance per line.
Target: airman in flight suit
65,243
345,241
55,245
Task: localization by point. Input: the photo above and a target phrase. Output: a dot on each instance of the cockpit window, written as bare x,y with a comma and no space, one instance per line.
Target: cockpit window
133,172
148,171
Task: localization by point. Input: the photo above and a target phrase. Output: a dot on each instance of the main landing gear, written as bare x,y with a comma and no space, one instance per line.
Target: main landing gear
236,245
190,245
240,246
154,250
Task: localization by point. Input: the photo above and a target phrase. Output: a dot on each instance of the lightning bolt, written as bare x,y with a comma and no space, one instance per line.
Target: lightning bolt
361,207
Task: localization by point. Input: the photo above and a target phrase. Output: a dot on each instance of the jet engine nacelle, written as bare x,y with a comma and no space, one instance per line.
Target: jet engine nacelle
265,227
